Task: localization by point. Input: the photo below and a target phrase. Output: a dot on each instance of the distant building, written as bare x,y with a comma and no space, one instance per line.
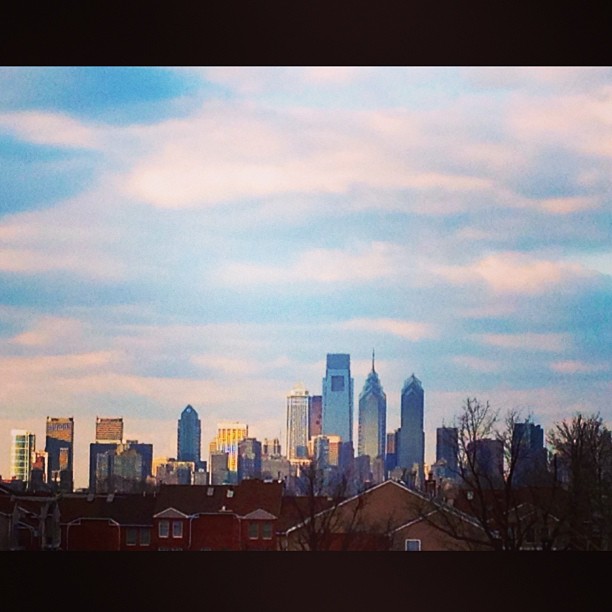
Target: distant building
528,454
391,454
189,436
121,468
229,435
59,444
487,456
447,451
109,430
271,448
173,472
338,397
249,459
219,472
315,416
297,423
23,447
372,417
411,439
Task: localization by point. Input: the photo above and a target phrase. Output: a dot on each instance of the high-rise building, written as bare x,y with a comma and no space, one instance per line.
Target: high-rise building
391,454
338,397
229,435
120,468
59,444
315,416
249,459
189,436
109,430
411,439
528,454
297,423
271,448
219,474
447,450
23,447
372,417
487,458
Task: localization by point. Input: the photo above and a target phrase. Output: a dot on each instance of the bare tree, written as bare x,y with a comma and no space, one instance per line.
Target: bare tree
583,465
322,523
490,449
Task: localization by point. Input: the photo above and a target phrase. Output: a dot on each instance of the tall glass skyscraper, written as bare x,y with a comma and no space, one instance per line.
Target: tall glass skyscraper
59,445
372,417
338,397
411,440
23,446
189,436
297,423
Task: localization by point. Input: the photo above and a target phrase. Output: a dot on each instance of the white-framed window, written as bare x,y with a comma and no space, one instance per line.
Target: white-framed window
266,531
131,536
163,528
253,530
177,529
413,545
145,536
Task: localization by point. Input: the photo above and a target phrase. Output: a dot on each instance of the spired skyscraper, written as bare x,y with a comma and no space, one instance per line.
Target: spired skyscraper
189,436
411,439
338,397
372,417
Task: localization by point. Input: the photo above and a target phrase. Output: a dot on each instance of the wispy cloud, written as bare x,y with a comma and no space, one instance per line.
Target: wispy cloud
577,367
409,330
549,342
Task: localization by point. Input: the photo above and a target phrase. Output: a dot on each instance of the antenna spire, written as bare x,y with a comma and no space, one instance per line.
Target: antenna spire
372,360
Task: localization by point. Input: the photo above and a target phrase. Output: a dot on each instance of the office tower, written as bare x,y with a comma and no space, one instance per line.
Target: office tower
23,447
447,450
315,416
229,434
249,459
411,439
487,458
297,423
372,417
319,450
391,454
271,448
189,436
109,430
338,397
528,454
120,468
38,473
59,444
219,474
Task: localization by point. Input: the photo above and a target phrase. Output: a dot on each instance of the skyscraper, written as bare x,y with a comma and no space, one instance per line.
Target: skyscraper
249,459
447,449
23,447
528,454
372,417
189,436
297,423
411,439
59,445
121,468
229,434
315,416
109,430
338,397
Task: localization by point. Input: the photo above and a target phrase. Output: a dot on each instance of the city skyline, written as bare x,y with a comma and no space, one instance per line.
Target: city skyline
205,236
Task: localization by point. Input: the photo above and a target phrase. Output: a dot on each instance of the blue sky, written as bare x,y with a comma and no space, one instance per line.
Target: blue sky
204,236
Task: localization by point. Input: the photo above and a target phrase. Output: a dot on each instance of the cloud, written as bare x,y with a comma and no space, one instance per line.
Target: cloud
325,266
478,364
53,129
529,341
411,330
577,367
515,272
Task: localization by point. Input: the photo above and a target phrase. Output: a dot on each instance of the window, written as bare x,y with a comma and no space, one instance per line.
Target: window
177,529
253,531
131,536
163,529
267,531
145,536
413,545
337,383
230,493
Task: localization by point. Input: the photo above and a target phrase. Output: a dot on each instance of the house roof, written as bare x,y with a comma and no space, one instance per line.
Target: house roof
125,509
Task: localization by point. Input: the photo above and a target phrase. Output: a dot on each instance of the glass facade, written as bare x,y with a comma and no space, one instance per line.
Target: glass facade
189,436
372,417
59,444
297,423
338,397
23,445
411,439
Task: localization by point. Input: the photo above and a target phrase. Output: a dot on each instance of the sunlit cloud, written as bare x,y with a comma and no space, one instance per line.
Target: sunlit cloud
410,330
516,273
529,341
478,364
577,367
